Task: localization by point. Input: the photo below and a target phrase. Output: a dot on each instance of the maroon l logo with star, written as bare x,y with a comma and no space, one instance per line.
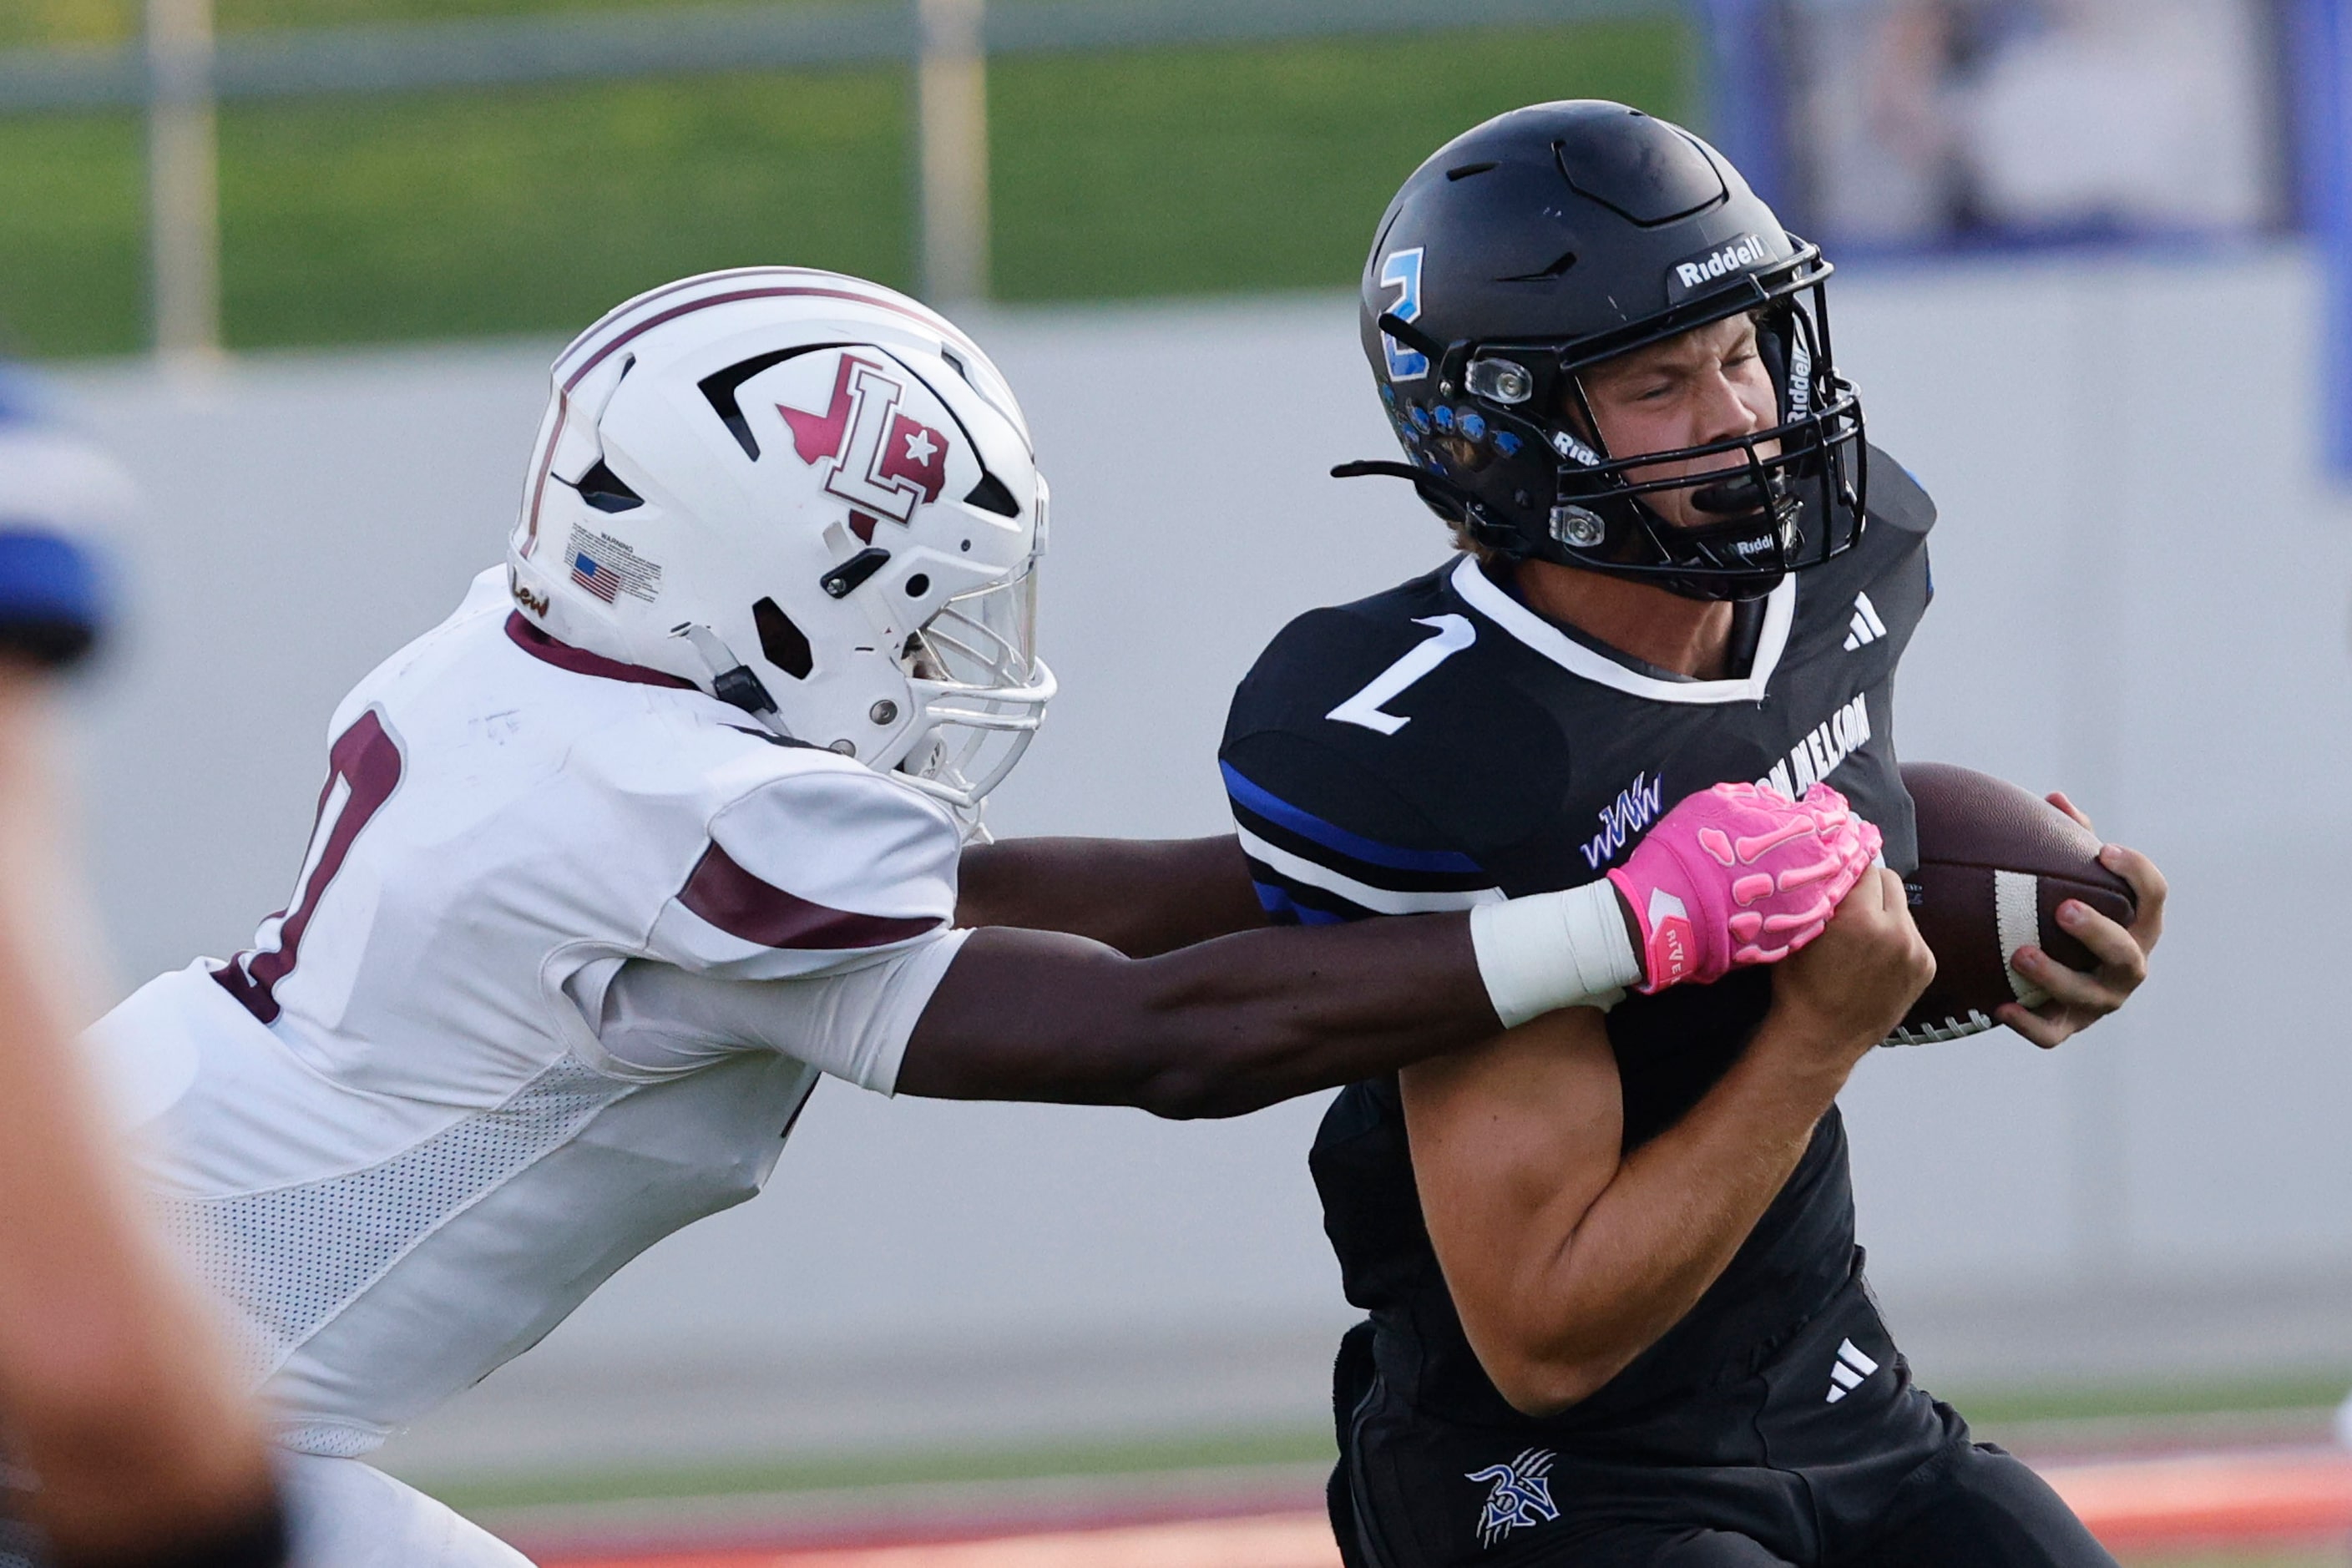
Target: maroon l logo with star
884,463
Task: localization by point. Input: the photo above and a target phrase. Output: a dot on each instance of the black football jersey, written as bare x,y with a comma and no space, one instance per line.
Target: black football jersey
1441,745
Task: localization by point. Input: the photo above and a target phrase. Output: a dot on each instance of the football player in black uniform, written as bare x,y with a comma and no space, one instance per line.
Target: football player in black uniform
1617,1313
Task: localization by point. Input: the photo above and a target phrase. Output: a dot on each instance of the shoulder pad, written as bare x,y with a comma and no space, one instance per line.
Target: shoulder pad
1397,720
1897,498
813,870
1328,654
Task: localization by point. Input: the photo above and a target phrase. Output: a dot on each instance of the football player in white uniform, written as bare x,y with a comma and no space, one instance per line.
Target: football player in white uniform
664,822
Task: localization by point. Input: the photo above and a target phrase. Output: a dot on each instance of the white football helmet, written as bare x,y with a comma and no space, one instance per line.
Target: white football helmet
812,497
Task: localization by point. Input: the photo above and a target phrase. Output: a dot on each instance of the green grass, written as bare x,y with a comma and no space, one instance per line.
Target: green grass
1991,1408
237,15
941,1466
1213,170
461,217
534,212
27,22
1175,172
1988,1411
70,211
113,21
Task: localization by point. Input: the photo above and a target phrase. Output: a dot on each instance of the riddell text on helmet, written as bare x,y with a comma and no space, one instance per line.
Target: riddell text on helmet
1744,251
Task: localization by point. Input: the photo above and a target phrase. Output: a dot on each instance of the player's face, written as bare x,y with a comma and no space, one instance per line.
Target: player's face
1707,384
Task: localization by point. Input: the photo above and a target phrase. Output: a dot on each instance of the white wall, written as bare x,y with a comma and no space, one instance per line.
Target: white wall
2142,597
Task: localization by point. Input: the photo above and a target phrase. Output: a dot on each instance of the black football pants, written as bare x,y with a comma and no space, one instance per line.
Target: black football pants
1829,1456
1984,1509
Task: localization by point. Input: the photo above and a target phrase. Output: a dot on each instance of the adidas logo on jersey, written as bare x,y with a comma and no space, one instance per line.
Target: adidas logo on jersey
1848,1371
1867,628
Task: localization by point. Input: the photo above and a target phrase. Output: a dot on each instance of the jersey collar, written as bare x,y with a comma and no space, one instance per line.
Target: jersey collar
1481,594
580,661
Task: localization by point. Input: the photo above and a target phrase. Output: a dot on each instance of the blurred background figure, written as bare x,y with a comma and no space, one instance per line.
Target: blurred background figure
306,260
127,1439
1923,122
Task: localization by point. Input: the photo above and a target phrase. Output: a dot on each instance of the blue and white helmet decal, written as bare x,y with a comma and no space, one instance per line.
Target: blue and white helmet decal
1401,272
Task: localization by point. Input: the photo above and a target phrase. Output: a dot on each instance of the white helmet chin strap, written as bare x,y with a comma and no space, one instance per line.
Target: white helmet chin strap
731,680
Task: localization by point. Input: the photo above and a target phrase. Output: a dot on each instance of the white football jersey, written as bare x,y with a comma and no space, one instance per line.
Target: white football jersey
391,1134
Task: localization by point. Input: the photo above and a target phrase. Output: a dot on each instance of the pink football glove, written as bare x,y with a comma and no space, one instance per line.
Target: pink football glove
1740,875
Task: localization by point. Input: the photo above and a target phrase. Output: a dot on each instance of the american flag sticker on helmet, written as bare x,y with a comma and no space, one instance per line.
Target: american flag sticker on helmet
608,568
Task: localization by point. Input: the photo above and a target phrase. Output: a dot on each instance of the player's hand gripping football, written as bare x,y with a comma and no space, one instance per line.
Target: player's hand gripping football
1835,1002
2079,999
1740,875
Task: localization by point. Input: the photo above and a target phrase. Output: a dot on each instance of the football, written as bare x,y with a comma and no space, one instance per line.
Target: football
1995,862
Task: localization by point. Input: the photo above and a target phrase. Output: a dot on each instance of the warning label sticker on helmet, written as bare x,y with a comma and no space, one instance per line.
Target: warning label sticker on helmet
608,568
1693,275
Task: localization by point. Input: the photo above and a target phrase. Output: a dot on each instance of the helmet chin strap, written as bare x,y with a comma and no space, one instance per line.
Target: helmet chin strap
1737,497
1721,591
731,680
1695,575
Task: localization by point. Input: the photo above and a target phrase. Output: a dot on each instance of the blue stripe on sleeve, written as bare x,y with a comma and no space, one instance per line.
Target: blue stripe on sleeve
1279,904
1338,840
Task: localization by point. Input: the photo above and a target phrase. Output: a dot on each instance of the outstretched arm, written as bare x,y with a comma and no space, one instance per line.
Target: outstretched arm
1216,1029
1140,895
1240,1022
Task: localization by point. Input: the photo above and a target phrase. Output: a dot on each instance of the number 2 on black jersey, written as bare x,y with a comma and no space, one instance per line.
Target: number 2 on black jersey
362,770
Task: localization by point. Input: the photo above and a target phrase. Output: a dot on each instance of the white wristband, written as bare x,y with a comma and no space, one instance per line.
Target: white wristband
1554,950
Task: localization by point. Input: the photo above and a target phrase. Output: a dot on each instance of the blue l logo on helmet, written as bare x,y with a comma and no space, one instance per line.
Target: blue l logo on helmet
1401,272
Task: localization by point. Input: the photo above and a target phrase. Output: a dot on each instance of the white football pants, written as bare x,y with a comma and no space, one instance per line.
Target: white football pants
346,1514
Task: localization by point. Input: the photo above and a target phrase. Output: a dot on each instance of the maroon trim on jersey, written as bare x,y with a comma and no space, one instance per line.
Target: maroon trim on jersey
580,661
367,759
742,905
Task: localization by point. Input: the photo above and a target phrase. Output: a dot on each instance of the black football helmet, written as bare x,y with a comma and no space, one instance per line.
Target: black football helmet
1562,235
